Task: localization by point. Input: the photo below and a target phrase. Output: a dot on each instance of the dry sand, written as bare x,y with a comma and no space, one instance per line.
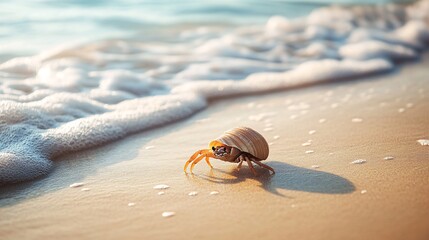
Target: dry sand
318,195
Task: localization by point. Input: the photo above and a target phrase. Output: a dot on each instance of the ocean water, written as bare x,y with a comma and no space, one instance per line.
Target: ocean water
77,74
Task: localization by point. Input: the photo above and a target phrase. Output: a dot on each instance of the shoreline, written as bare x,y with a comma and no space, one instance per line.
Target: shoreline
76,97
314,195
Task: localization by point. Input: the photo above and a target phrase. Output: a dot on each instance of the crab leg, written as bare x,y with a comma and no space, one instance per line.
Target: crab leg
196,161
251,166
263,165
192,158
240,163
208,161
208,154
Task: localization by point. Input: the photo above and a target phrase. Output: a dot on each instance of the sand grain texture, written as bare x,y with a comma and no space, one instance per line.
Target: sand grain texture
298,202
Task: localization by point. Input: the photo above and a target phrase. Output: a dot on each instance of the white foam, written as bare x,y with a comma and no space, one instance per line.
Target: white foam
377,49
79,96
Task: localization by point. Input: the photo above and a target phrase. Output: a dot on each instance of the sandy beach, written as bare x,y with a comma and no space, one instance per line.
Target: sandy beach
315,134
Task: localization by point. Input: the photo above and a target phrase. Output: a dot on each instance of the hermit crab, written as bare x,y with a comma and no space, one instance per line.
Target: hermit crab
237,145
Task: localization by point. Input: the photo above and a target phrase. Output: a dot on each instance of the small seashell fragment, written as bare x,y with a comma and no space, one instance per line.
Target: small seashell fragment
85,189
388,158
423,142
193,193
161,187
75,185
276,137
359,161
309,151
131,204
149,147
322,120
261,116
311,132
300,106
214,193
357,120
168,214
306,144
315,166
363,191
161,193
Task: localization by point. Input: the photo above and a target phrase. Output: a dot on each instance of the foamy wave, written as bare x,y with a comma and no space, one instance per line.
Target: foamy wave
76,97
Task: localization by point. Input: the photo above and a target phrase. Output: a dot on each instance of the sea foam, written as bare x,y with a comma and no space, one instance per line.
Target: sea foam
79,96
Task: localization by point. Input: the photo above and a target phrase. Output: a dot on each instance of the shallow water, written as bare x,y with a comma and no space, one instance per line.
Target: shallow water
51,22
28,27
76,96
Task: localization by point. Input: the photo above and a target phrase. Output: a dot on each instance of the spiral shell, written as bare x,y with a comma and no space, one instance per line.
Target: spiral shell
246,140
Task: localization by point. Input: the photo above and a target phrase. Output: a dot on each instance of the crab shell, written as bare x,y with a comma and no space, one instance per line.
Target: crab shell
246,140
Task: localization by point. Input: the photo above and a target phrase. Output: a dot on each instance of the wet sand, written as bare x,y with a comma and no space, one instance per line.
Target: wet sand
316,193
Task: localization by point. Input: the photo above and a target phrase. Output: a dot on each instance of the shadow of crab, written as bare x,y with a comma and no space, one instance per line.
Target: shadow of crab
287,177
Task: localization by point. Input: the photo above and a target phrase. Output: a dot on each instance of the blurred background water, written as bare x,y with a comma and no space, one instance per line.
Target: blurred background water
30,26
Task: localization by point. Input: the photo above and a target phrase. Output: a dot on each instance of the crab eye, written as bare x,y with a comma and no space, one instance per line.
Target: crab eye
213,148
